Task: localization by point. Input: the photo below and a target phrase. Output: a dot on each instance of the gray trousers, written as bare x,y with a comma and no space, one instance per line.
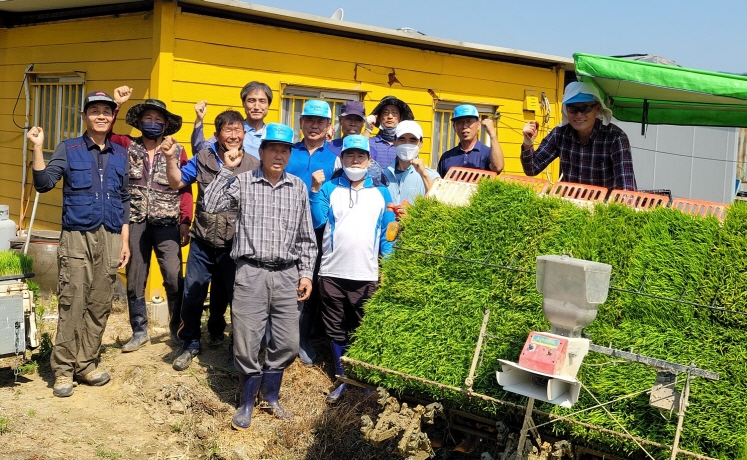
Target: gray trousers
260,294
87,264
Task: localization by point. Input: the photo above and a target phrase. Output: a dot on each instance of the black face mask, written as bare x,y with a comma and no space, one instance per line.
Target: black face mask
151,130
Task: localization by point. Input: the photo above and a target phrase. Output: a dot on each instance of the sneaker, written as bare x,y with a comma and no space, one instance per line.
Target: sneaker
136,342
185,358
63,386
95,378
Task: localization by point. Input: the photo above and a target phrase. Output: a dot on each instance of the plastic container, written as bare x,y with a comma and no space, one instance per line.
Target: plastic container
43,250
7,227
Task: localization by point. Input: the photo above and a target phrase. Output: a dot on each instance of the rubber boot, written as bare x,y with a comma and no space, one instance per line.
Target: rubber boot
271,379
139,323
305,350
248,387
338,349
175,311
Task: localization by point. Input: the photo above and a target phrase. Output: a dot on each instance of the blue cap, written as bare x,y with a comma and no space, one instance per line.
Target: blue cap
316,108
581,97
355,141
465,110
277,132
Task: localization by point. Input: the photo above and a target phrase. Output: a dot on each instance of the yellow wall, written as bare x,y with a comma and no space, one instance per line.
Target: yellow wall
215,65
111,51
181,58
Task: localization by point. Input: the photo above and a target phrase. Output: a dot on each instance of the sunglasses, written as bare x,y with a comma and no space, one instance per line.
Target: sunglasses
586,108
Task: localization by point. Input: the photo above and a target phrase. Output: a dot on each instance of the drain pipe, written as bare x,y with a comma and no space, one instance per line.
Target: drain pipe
26,127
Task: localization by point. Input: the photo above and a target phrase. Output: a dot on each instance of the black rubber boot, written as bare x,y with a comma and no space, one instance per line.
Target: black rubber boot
139,323
248,387
271,380
338,349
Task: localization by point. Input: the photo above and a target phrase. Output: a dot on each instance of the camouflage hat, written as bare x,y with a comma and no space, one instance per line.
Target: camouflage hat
133,115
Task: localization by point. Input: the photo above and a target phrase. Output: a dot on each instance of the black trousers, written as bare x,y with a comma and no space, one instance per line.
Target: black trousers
342,305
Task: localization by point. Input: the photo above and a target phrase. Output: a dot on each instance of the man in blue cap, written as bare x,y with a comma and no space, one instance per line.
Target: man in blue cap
353,214
209,261
312,161
592,150
470,152
275,250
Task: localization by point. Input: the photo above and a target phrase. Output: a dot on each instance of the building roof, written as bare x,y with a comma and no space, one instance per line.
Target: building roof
25,12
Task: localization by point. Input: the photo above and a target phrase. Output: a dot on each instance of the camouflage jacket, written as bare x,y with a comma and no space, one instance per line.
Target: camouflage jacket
151,198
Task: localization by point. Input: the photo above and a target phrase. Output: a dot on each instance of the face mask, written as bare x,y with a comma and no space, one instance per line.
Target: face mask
387,133
407,152
354,174
151,130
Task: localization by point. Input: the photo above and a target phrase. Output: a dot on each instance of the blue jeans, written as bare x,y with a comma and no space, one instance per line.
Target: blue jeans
203,262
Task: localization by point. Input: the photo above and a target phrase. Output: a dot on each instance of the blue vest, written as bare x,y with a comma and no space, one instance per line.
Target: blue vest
88,203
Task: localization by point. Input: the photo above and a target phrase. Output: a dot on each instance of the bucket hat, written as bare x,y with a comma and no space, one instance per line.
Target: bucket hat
404,110
133,115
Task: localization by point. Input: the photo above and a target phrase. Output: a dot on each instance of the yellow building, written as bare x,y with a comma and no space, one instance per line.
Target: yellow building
187,50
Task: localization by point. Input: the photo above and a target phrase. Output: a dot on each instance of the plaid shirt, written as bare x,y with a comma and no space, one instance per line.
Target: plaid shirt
605,160
274,222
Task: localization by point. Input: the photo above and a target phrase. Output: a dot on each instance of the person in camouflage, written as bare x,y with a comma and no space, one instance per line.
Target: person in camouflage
159,216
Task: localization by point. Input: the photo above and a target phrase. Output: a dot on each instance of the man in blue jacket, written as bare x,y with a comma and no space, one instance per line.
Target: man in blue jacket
353,213
94,238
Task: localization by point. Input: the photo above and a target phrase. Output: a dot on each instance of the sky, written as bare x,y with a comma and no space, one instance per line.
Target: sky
707,35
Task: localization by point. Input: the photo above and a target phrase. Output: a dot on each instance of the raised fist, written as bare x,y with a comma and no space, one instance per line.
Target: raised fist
122,94
168,147
36,136
317,179
201,109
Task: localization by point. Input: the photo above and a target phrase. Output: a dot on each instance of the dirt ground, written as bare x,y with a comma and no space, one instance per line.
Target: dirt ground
150,411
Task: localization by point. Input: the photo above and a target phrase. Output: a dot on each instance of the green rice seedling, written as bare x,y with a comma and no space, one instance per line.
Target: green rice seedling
446,271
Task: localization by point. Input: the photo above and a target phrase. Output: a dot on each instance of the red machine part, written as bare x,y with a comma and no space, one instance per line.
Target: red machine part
544,353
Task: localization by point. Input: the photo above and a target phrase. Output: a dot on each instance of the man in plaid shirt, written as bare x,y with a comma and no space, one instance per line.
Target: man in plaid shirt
275,250
592,150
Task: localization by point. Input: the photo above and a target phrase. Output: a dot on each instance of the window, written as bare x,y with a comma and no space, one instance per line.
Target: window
294,97
444,137
58,100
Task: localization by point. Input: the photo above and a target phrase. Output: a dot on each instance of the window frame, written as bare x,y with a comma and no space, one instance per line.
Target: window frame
57,102
293,97
442,113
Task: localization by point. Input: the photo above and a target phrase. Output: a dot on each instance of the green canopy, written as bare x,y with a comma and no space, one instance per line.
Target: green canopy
666,95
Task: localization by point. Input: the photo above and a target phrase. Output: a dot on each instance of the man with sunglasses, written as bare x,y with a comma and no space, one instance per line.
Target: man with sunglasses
592,150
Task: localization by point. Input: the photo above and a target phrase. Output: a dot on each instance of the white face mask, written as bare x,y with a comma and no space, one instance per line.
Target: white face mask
355,174
407,152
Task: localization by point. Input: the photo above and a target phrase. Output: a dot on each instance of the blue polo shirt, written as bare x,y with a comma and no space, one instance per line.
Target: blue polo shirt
406,185
382,151
303,164
477,158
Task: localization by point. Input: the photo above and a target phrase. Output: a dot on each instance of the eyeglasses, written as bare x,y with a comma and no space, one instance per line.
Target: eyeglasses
231,131
585,108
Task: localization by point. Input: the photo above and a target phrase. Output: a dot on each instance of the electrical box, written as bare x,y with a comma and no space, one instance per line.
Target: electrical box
531,101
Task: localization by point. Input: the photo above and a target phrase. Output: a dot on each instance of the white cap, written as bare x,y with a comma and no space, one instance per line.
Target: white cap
408,127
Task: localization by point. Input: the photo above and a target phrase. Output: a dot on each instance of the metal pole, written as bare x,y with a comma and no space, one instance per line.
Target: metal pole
31,224
525,429
680,418
471,378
